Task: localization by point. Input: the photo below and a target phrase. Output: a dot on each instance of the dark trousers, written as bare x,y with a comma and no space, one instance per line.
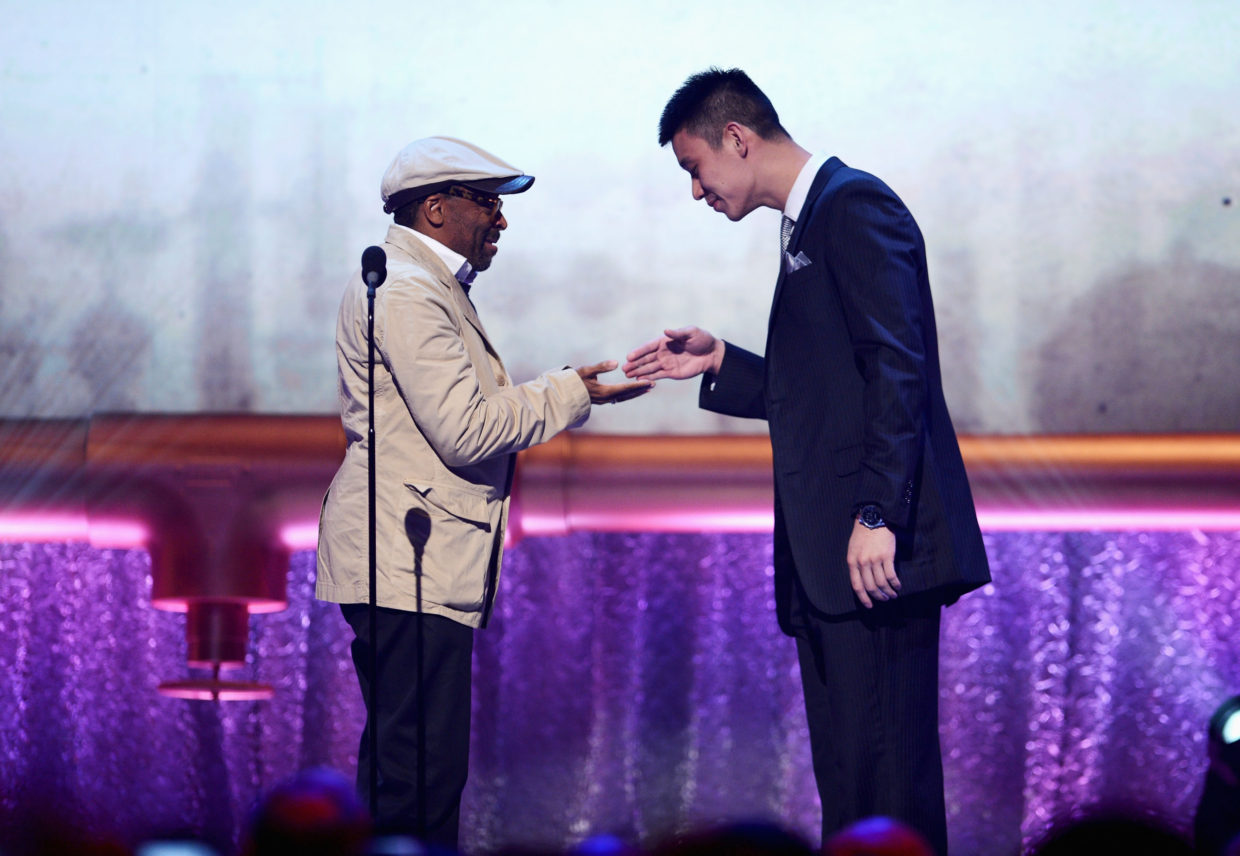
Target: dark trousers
423,699
871,696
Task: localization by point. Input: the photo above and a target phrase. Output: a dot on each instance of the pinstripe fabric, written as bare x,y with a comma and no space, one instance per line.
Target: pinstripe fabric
875,743
851,391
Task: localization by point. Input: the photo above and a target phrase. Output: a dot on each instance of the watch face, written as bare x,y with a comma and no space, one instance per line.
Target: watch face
871,517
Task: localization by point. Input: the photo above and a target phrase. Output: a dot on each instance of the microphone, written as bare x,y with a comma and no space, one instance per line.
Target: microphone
374,266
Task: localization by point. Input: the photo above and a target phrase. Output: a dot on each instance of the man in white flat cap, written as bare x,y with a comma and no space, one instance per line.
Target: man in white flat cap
448,423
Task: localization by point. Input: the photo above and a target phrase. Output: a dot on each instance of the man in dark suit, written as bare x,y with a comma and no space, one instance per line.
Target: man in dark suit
875,528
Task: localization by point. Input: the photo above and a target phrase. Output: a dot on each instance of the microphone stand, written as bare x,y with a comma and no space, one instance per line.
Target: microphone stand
373,278
373,603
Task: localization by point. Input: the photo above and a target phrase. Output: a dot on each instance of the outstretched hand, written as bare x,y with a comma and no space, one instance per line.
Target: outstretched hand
678,354
605,393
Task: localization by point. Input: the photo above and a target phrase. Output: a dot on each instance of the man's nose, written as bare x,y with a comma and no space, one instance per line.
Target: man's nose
697,189
502,222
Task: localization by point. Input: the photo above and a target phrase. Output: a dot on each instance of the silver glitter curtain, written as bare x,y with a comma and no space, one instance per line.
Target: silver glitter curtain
633,684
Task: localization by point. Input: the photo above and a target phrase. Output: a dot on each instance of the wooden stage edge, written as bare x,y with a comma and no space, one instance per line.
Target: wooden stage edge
123,479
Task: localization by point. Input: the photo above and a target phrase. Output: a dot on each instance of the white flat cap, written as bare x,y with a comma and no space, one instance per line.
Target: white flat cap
432,164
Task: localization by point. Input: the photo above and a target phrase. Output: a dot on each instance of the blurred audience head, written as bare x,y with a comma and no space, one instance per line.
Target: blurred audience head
1112,830
181,846
877,836
1216,824
603,845
316,813
58,828
752,838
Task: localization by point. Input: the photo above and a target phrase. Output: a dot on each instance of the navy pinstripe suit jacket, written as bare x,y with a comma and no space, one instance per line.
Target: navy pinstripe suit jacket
851,389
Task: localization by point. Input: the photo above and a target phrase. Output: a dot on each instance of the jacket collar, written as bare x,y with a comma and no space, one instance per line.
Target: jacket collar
407,242
821,180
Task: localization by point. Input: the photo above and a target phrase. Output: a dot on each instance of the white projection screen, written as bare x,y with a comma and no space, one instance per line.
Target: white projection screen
185,188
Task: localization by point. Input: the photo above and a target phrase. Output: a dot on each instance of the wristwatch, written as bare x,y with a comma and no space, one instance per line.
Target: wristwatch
871,517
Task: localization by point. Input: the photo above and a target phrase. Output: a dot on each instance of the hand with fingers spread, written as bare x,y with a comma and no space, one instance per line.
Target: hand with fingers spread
871,564
610,393
679,354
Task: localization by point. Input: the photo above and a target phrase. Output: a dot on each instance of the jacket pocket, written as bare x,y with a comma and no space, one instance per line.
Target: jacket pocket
460,503
847,459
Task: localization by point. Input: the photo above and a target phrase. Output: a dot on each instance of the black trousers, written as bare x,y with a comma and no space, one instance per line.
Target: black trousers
423,697
871,697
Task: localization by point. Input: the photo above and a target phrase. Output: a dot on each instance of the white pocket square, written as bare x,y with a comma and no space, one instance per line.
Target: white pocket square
794,263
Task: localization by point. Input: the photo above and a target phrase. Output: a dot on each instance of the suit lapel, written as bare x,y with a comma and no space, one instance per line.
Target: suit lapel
821,180
426,257
825,173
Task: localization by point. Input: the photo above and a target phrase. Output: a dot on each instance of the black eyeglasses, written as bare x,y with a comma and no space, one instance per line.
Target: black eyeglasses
487,200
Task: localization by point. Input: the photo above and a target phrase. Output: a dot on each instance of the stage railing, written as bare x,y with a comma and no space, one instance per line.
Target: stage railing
121,479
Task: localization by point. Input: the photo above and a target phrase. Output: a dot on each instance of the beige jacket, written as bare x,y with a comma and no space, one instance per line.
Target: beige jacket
448,423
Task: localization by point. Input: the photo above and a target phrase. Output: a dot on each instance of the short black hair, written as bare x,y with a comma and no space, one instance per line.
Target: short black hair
708,100
405,214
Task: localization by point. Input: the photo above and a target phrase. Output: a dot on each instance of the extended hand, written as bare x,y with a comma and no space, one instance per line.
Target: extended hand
872,564
603,393
677,354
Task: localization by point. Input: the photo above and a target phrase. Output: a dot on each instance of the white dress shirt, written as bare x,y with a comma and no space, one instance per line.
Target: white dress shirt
800,187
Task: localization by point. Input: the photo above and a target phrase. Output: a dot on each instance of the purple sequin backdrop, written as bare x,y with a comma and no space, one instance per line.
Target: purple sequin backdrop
634,684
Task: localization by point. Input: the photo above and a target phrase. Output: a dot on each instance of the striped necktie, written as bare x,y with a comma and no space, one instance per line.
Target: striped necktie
785,232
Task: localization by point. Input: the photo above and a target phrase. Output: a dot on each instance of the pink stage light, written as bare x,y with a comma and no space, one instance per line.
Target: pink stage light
119,534
703,519
303,535
992,519
32,527
300,536
213,689
1109,519
252,606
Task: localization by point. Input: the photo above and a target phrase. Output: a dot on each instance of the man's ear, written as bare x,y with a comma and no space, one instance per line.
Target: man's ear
433,210
736,138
